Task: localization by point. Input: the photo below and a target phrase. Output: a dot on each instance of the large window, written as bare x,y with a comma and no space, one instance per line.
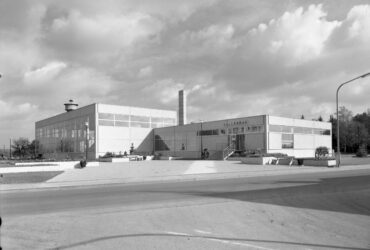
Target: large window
287,140
137,118
122,117
126,120
121,124
106,116
106,123
298,130
208,132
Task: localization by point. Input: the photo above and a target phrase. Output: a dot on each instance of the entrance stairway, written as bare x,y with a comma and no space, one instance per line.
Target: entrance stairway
227,152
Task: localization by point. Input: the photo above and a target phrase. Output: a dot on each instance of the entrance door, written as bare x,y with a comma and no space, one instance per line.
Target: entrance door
240,142
232,141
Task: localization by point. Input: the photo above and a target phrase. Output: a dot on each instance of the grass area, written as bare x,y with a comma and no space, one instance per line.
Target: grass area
349,160
31,177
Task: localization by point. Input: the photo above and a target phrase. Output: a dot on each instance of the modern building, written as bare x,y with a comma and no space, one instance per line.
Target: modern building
261,134
110,128
118,129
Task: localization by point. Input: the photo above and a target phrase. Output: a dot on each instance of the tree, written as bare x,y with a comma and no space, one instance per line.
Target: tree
21,147
345,115
354,130
34,148
364,119
302,117
320,119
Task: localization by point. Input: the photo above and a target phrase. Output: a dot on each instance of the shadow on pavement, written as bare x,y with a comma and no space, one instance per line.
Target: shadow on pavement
342,194
287,243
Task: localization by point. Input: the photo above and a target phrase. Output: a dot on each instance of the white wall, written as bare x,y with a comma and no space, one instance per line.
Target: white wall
119,139
304,144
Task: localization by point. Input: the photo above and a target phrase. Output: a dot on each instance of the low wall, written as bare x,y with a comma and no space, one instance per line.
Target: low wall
320,163
24,167
114,159
258,160
170,158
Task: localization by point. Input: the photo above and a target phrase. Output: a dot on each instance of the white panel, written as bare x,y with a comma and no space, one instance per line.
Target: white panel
114,132
113,109
139,133
275,120
275,141
302,141
322,140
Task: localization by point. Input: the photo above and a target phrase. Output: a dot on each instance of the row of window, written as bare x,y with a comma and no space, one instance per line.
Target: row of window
132,124
135,118
62,133
231,131
298,130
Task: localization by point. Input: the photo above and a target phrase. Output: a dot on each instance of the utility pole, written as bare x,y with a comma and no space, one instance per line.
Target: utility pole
201,138
10,148
87,139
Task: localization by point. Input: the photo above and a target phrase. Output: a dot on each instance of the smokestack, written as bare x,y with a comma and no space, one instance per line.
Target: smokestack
182,108
70,106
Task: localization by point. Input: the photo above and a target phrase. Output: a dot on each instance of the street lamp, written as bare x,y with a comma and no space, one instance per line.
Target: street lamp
87,139
338,145
201,139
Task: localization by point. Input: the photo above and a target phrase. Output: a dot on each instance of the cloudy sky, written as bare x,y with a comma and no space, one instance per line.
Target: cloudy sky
234,58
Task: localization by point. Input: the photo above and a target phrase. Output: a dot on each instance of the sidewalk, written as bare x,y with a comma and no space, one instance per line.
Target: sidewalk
166,171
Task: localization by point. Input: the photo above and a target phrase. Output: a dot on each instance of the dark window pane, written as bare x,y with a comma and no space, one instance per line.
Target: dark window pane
137,118
106,116
122,117
140,124
121,124
275,128
105,123
287,137
157,119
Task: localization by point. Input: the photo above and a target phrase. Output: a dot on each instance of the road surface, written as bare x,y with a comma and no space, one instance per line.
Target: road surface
302,211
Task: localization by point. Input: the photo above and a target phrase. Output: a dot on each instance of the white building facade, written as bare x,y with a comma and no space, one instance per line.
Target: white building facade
111,128
117,129
261,134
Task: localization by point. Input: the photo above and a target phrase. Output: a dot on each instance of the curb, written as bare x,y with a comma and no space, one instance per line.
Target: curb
169,179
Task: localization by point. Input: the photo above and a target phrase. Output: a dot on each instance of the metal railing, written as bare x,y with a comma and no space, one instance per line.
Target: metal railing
227,152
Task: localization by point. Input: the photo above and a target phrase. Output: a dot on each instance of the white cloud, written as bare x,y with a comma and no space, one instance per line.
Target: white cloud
99,38
45,74
165,90
211,40
297,36
145,72
16,111
359,19
233,59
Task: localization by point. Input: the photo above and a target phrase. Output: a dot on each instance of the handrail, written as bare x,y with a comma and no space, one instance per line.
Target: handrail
227,152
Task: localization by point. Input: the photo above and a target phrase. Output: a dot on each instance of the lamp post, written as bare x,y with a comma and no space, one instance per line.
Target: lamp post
87,139
338,141
201,137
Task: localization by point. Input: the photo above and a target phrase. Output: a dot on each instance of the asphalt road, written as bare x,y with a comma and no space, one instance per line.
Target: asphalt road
301,211
269,189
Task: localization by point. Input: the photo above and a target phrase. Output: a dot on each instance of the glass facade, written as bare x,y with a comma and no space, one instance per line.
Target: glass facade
135,121
288,132
66,139
298,130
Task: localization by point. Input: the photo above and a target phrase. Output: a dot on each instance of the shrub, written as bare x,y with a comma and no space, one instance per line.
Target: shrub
321,152
108,155
83,163
362,151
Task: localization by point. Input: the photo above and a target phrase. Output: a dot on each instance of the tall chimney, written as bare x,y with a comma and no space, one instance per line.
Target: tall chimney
182,108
